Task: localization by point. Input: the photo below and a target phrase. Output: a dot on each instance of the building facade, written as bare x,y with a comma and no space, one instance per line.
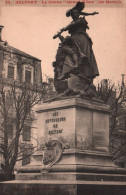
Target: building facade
20,67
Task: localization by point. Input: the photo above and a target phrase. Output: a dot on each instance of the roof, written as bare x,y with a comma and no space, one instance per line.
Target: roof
13,50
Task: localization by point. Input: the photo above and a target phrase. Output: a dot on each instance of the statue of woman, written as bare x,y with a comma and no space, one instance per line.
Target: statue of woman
78,55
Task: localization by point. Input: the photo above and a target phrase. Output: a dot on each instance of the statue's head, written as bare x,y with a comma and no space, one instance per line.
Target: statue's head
79,7
74,14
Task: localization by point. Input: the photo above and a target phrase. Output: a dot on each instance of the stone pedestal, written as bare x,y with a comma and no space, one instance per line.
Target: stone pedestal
84,125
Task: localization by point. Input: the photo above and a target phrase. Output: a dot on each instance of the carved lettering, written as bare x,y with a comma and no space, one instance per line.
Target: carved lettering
55,126
55,114
55,120
55,131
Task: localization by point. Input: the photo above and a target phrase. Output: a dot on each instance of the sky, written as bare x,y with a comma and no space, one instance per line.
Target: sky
31,28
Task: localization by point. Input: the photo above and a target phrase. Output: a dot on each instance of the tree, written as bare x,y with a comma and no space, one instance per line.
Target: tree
17,102
115,97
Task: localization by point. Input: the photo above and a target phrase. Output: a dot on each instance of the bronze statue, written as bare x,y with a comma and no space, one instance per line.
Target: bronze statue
75,59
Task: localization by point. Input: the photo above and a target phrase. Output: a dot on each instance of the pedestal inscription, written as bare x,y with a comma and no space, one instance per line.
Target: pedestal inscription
84,124
56,123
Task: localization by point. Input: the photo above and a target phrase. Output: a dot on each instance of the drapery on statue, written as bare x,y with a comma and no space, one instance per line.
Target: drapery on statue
75,60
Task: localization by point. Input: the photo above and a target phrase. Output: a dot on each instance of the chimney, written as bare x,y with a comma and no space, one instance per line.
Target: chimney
123,81
1,27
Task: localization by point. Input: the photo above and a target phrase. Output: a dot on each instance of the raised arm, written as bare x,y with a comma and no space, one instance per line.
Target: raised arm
88,14
68,26
64,29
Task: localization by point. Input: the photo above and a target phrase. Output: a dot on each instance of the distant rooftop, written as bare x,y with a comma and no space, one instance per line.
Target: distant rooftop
5,47
13,50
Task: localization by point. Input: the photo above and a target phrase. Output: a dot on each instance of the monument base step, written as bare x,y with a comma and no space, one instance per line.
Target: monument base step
62,187
73,168
71,176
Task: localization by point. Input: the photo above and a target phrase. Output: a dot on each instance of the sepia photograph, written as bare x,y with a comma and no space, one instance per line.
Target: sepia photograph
63,97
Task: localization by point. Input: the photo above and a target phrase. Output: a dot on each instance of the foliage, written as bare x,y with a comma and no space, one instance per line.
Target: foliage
17,102
115,97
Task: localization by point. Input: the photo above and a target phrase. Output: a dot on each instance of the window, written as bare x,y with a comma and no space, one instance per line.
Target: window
28,73
27,134
27,76
11,71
